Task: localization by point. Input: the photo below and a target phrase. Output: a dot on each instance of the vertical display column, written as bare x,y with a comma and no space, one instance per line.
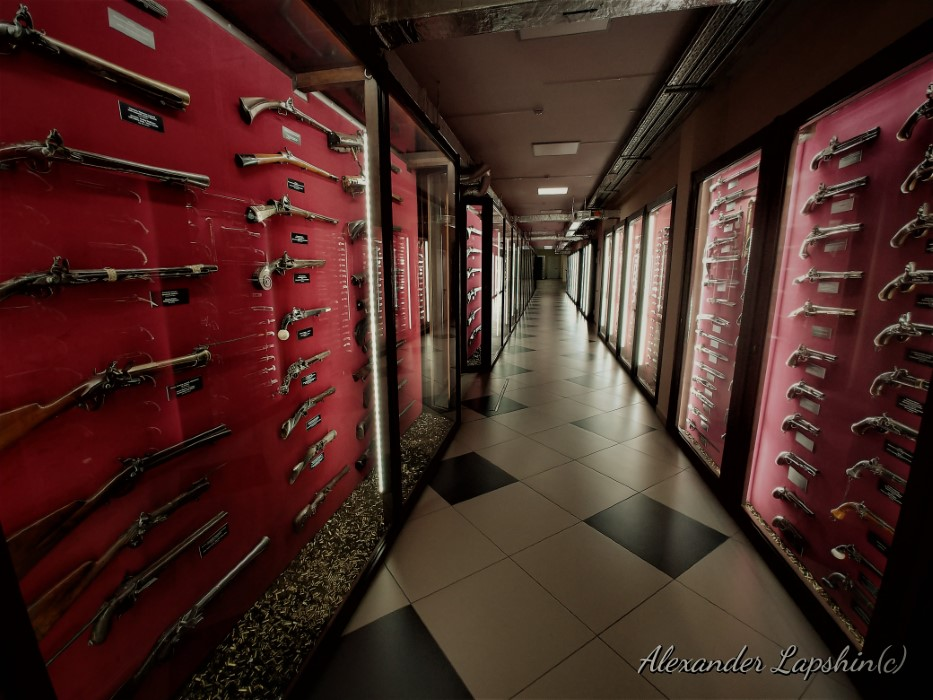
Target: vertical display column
629,303
604,299
725,209
654,292
848,367
474,287
615,287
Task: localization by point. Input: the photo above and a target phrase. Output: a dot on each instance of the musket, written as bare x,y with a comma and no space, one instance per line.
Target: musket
289,425
825,191
184,624
60,274
710,370
906,281
785,495
800,423
262,277
836,146
297,314
715,242
718,320
843,550
30,544
875,467
356,184
818,234
793,536
310,455
810,309
916,228
814,275
152,7
311,509
715,339
128,592
801,388
924,111
897,376
923,172
702,399
252,107
705,383
49,608
39,156
903,330
805,354
91,393
883,424
734,176
712,353
283,157
862,511
363,426
297,367
728,218
729,198
257,213
21,32
790,459
721,302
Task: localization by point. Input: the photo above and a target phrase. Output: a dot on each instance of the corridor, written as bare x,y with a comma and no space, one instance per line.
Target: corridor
564,543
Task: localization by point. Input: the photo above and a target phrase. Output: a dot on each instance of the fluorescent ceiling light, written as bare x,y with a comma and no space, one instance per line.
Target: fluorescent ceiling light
558,148
574,226
552,190
552,211
564,29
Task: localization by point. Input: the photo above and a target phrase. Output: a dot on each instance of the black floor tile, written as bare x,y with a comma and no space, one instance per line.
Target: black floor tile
666,539
492,405
467,476
613,427
506,369
393,657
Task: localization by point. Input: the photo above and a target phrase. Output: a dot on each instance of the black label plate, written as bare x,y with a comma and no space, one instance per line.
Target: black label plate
296,185
170,297
302,278
300,238
905,456
140,117
214,540
184,388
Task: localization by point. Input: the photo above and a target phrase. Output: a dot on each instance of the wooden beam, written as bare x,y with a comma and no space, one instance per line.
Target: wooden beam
334,77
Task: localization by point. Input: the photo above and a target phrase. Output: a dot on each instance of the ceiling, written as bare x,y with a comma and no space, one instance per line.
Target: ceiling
612,75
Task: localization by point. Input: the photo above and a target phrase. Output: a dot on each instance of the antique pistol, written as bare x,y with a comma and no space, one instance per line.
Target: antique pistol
360,334
356,184
883,424
712,353
710,370
474,333
39,156
297,367
924,111
473,271
471,294
713,338
724,218
916,228
716,242
814,275
297,314
825,191
801,388
836,146
262,277
875,467
900,377
154,8
903,330
818,234
805,354
810,309
257,213
719,321
722,179
363,426
308,461
362,373
474,251
705,383
790,459
729,198
289,425
784,494
21,32
794,537
355,229
906,281
472,316
848,550
283,157
60,274
862,511
798,422
311,509
702,399
923,172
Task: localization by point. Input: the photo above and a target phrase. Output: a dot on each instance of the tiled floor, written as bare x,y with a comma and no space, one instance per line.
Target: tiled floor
563,541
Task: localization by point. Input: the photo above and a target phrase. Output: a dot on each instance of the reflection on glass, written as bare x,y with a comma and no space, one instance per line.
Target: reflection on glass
630,290
654,288
498,274
604,288
615,284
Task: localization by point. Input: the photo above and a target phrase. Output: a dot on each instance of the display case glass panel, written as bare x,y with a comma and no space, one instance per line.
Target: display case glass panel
604,298
654,293
497,337
849,350
586,281
630,296
723,238
473,335
615,287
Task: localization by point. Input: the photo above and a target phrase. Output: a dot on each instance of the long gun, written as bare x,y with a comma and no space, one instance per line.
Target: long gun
90,394
818,234
722,179
814,275
257,213
906,282
283,157
310,456
901,377
262,277
297,367
903,330
184,624
49,608
60,274
39,156
923,172
311,509
836,146
915,228
924,111
21,32
252,107
29,545
825,191
133,585
289,425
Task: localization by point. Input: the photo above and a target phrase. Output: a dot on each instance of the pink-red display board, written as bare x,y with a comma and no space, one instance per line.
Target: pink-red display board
474,285
51,344
725,210
654,294
851,342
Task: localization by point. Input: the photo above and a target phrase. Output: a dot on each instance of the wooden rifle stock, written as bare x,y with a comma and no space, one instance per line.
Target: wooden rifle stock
284,157
49,608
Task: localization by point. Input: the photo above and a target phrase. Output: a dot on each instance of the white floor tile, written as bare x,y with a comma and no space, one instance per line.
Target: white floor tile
483,433
530,420
635,469
429,502
522,457
572,441
578,489
382,597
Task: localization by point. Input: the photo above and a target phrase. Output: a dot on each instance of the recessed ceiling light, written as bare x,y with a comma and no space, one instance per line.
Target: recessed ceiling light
558,148
552,190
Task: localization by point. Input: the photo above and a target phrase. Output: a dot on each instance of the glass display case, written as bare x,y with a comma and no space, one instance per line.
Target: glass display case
657,246
605,299
630,290
473,335
847,370
498,289
723,236
615,285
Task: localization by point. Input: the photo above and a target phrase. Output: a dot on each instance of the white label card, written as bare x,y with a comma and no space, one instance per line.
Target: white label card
290,135
708,393
847,204
828,287
717,329
732,184
804,441
821,332
126,26
816,371
731,206
728,228
835,246
712,377
797,479
850,159
811,406
712,360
